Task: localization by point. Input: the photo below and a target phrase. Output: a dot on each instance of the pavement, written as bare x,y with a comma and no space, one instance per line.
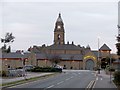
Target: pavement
29,75
104,81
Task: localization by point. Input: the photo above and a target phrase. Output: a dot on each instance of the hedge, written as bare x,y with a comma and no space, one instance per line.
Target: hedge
46,69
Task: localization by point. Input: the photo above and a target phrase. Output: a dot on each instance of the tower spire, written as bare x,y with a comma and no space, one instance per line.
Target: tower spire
59,19
59,31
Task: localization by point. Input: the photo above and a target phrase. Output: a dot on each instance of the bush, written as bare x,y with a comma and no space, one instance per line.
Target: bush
46,69
3,74
117,77
112,69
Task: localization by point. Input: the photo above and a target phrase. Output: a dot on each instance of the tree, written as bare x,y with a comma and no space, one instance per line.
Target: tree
9,38
108,60
8,50
55,60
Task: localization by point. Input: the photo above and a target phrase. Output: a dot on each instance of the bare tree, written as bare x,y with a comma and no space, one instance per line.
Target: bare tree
55,59
9,38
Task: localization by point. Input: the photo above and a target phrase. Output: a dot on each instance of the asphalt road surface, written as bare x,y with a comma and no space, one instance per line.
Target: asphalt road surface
67,79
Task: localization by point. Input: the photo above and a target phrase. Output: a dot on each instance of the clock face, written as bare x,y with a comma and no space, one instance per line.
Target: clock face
58,27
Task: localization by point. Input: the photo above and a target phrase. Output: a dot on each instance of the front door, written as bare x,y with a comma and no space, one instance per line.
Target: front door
90,64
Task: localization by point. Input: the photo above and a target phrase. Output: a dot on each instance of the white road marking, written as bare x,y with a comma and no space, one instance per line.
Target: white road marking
94,84
101,78
97,78
96,75
89,84
71,77
67,79
78,73
60,82
51,86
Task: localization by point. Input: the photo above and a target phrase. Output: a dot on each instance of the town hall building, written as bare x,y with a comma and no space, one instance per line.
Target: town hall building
70,56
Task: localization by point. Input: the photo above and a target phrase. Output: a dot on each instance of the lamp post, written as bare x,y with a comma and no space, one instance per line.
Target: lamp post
23,64
98,57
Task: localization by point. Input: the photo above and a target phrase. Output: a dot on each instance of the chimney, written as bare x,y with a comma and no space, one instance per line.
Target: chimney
72,43
68,42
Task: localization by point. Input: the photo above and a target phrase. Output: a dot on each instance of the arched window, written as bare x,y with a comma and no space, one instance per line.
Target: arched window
59,36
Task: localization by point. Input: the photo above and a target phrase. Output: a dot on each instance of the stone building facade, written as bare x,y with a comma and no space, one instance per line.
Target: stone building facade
72,56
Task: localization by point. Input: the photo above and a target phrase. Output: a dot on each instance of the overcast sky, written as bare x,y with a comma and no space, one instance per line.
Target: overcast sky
32,22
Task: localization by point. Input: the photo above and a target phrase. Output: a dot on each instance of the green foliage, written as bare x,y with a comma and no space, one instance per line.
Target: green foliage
112,69
3,73
9,49
9,38
108,60
118,48
46,69
117,77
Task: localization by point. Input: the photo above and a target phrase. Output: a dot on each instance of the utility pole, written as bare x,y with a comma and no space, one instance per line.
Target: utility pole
98,62
23,64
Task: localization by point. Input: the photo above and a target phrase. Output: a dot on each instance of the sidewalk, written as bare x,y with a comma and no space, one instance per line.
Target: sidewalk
29,75
103,81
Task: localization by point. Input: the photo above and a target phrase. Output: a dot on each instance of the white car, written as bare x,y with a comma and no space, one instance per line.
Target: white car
58,66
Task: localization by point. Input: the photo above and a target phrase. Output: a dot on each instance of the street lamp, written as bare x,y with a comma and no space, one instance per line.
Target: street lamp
98,57
23,64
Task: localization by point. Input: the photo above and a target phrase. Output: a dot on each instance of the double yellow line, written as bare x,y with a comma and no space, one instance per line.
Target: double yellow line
91,85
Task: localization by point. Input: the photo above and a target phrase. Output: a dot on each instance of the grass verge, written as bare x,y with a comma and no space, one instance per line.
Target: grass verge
5,85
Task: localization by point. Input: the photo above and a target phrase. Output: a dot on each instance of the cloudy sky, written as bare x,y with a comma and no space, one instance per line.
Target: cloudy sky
32,22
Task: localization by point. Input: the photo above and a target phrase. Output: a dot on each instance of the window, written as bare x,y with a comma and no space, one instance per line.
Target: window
59,36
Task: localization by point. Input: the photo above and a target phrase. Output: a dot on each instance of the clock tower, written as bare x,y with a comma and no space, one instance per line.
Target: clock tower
59,31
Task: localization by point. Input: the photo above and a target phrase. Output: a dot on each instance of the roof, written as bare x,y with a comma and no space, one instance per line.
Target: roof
96,53
62,56
59,19
64,47
71,56
14,55
105,47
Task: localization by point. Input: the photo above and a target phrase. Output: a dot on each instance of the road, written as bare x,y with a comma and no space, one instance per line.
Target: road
67,79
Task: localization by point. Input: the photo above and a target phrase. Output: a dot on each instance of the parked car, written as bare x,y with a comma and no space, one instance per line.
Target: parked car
28,67
58,66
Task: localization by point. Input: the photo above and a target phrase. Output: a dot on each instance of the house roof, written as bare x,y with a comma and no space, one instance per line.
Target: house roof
71,56
64,47
96,53
15,55
105,47
62,56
